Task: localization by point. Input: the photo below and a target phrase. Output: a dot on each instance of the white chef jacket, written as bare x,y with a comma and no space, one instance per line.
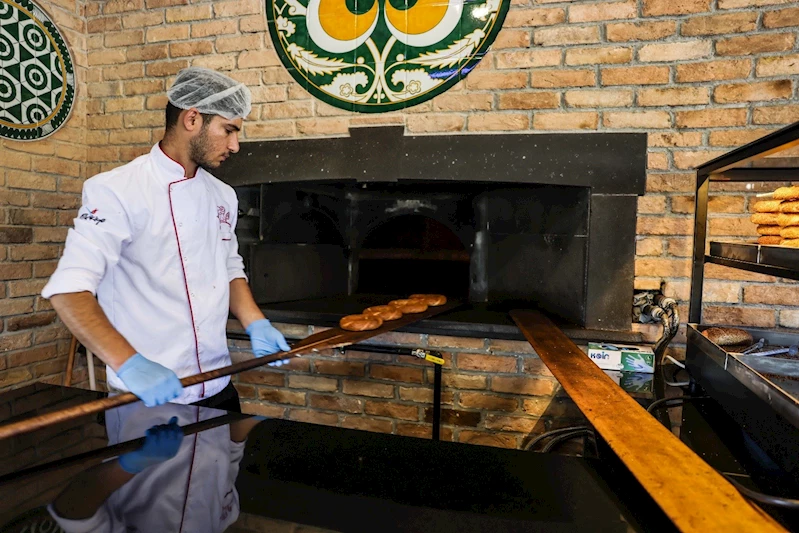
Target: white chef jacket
194,491
159,250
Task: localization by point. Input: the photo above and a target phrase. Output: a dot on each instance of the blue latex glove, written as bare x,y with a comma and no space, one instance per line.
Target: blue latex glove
160,443
153,383
266,340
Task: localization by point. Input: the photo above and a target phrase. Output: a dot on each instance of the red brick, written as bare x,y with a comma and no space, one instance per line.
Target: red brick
735,4
335,403
781,18
724,69
17,198
522,385
778,65
651,204
367,424
392,410
15,235
529,100
281,396
662,267
313,417
635,75
488,402
648,246
456,343
789,319
339,368
769,294
511,423
721,291
259,409
732,226
15,271
566,35
737,137
24,287
463,381
711,118
496,80
525,18
580,12
552,407
678,51
594,56
15,306
750,45
15,342
739,316
527,59
313,383
488,439
498,122
640,31
721,272
656,8
750,92
719,24
674,96
396,373
782,114
30,321
364,388
566,121
31,355
509,38
486,363
454,417
636,119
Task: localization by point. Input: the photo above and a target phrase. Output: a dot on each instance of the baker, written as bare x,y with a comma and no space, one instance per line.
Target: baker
154,241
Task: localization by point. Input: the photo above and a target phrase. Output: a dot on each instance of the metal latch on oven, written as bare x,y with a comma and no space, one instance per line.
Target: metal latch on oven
428,355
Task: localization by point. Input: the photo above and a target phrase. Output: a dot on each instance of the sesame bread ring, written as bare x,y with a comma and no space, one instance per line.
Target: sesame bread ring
790,206
728,336
790,243
409,306
360,322
788,219
786,193
385,312
769,239
432,300
767,206
769,230
790,232
766,219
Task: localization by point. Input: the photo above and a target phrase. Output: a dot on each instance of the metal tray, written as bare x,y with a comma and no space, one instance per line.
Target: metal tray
768,378
780,256
735,250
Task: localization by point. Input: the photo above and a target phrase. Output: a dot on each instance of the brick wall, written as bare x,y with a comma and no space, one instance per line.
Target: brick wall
701,76
40,184
494,392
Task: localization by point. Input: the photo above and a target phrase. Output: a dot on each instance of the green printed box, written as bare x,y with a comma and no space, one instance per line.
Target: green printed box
637,384
622,357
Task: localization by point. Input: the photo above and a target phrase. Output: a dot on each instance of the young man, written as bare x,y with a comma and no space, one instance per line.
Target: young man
155,242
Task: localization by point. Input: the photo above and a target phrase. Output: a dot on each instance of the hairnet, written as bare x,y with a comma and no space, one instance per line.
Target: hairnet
210,93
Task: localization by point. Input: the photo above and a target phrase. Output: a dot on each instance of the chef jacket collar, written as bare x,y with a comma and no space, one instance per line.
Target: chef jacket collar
169,169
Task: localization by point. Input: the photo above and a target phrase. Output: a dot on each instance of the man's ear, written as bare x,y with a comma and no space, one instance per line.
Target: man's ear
192,120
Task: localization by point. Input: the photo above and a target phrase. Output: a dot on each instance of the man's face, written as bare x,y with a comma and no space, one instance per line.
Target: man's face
217,139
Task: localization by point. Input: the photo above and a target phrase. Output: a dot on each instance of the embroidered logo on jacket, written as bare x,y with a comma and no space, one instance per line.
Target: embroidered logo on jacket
224,217
92,216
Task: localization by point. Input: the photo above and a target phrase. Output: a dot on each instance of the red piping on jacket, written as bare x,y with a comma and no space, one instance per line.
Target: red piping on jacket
186,281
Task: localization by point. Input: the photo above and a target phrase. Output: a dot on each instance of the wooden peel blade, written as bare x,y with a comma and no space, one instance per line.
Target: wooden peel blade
331,338
691,493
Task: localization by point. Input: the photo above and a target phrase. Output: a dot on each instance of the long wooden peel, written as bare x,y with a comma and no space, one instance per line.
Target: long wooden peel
331,338
693,495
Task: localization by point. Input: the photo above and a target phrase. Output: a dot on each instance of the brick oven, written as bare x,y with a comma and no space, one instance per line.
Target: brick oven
329,226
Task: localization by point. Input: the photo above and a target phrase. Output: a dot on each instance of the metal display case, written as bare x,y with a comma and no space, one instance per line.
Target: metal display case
760,393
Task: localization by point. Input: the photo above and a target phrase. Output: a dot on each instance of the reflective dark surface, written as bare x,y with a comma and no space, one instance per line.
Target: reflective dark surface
228,472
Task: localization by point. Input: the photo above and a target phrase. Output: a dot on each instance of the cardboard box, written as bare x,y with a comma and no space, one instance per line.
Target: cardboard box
636,384
623,357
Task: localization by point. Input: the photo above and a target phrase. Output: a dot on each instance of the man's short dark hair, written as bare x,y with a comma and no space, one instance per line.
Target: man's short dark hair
173,113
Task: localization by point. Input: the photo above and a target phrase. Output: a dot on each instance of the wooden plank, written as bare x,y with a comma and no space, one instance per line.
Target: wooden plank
691,493
330,338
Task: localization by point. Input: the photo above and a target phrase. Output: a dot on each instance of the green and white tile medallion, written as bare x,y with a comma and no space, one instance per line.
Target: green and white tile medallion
37,77
373,56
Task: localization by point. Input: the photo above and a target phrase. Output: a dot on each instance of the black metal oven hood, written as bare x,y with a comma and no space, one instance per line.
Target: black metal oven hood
500,221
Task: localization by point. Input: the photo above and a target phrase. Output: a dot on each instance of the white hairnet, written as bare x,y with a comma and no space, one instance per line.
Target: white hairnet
210,92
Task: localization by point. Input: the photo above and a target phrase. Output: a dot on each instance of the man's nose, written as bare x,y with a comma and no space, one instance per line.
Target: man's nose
233,146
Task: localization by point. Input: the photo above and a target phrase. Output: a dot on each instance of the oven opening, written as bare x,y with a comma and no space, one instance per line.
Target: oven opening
413,253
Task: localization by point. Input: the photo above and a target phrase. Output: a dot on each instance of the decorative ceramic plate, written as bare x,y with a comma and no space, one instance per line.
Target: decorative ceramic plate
37,79
381,55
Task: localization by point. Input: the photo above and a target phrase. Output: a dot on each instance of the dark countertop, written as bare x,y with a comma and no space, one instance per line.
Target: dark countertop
334,479
326,477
